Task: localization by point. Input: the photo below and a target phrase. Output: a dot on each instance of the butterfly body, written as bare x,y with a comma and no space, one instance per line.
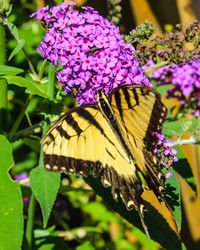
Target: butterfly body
109,115
114,138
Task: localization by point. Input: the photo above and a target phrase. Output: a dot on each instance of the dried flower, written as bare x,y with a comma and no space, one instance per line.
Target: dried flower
174,45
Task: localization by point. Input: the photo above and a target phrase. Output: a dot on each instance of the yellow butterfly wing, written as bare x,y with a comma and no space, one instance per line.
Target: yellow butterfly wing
83,140
140,113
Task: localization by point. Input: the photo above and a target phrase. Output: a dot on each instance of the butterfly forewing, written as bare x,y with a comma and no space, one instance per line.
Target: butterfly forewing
83,140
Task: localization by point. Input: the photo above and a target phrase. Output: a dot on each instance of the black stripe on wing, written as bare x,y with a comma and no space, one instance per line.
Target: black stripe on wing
127,98
158,116
90,118
130,189
62,132
135,96
73,123
118,102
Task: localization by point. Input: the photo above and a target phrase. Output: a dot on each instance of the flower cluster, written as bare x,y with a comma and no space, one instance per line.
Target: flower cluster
90,50
165,153
186,83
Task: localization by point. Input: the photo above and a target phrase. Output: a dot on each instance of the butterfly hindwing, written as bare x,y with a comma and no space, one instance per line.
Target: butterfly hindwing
83,140
140,113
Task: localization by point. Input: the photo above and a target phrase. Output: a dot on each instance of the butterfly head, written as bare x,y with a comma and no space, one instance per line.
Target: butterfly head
100,93
102,99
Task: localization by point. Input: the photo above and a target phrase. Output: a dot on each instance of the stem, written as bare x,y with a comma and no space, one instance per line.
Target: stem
5,21
184,142
31,213
24,181
29,224
51,81
156,66
42,69
35,129
28,118
3,83
3,105
19,118
60,220
45,128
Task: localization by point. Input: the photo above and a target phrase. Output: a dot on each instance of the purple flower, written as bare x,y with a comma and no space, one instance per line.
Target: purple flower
21,177
168,175
89,50
186,83
165,153
41,13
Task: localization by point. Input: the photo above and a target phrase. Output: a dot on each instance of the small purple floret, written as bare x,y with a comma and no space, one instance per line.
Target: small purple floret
165,153
168,175
21,177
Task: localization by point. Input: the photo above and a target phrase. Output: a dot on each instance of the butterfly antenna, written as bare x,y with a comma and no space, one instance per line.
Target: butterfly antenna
141,214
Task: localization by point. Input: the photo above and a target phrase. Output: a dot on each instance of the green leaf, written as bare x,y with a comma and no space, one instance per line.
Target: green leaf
154,221
102,215
93,229
31,86
8,70
51,243
14,28
181,126
182,166
162,89
65,189
173,196
46,240
24,157
20,45
144,241
86,245
5,154
11,208
45,186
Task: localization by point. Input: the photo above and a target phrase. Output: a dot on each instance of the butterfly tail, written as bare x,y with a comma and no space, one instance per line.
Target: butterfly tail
140,210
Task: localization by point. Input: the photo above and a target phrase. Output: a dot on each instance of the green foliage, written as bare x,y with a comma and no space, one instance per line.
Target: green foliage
45,187
85,245
173,196
184,169
181,126
8,70
11,209
20,45
31,86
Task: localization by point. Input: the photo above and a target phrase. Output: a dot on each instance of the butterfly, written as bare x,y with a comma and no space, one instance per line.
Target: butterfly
114,139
